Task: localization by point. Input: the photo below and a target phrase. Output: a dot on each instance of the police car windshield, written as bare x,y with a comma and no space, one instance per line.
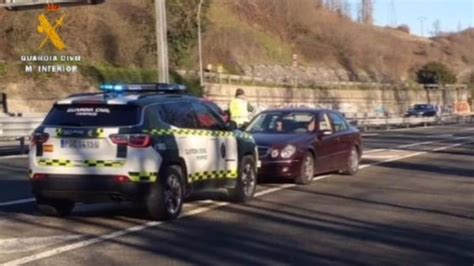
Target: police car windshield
93,115
283,123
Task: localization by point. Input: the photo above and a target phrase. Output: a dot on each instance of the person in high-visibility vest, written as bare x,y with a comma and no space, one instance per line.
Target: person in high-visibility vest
239,108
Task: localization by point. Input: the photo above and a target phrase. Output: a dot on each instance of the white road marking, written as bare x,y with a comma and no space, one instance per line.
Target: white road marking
377,156
374,150
427,127
418,144
116,234
15,245
321,177
415,154
413,145
16,202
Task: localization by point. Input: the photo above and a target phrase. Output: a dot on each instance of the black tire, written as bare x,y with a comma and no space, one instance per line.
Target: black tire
306,171
165,200
55,207
247,181
352,163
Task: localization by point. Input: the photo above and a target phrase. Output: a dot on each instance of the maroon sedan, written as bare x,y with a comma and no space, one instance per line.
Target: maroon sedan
299,143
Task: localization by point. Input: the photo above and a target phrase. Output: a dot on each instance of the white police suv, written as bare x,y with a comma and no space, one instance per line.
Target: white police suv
148,143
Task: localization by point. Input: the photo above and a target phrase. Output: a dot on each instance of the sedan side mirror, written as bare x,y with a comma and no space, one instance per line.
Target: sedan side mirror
324,133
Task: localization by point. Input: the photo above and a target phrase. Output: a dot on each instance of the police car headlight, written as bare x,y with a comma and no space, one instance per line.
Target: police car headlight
288,151
275,153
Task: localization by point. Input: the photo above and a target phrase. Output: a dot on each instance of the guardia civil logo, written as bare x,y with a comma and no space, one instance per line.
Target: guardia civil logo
50,23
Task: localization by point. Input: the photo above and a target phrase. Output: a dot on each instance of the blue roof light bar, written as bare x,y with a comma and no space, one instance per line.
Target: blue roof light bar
146,87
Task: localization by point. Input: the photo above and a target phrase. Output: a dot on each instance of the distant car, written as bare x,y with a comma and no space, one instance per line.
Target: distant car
16,4
421,110
299,143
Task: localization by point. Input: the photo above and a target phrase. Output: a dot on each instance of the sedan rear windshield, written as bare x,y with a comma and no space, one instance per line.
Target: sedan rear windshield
93,115
422,106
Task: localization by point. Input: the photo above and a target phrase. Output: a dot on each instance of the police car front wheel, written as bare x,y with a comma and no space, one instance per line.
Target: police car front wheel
54,207
165,200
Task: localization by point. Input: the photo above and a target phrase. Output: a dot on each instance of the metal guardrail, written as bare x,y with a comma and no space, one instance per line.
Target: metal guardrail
387,123
15,131
291,80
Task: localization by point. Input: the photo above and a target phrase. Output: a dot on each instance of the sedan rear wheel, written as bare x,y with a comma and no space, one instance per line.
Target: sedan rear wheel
352,162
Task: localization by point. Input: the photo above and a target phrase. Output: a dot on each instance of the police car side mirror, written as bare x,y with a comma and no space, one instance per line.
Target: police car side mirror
231,125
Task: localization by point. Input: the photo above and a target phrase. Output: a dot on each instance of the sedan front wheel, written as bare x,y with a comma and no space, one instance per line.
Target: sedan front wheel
307,170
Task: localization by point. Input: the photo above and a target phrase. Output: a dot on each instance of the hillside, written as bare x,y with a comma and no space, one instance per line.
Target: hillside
254,37
249,32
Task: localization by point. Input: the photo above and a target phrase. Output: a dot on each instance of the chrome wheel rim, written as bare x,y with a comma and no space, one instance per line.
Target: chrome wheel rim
354,161
248,179
308,168
173,194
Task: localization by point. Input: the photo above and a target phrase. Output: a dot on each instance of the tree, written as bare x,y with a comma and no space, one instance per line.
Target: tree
460,27
341,7
183,28
435,73
347,9
366,12
436,28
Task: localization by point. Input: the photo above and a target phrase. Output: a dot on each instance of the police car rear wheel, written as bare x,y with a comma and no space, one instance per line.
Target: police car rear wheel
247,181
54,207
165,200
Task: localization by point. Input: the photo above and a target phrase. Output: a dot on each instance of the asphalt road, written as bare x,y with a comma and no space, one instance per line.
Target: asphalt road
412,203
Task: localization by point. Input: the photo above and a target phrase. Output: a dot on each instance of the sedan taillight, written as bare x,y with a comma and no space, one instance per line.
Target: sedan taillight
134,140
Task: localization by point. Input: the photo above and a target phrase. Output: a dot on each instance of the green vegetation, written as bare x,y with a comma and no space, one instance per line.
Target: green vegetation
250,41
3,70
107,73
192,83
435,73
183,29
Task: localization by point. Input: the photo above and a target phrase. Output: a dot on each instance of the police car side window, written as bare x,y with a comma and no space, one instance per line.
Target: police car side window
178,114
206,118
152,116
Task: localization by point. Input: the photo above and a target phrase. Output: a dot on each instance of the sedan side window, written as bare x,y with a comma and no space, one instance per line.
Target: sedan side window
338,122
324,123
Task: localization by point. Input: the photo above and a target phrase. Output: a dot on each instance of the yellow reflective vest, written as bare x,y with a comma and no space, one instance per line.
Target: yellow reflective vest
238,109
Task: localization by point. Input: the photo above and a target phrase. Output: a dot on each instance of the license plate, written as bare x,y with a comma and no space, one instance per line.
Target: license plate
80,144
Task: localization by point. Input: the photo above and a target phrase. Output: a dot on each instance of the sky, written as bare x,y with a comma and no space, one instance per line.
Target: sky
450,13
